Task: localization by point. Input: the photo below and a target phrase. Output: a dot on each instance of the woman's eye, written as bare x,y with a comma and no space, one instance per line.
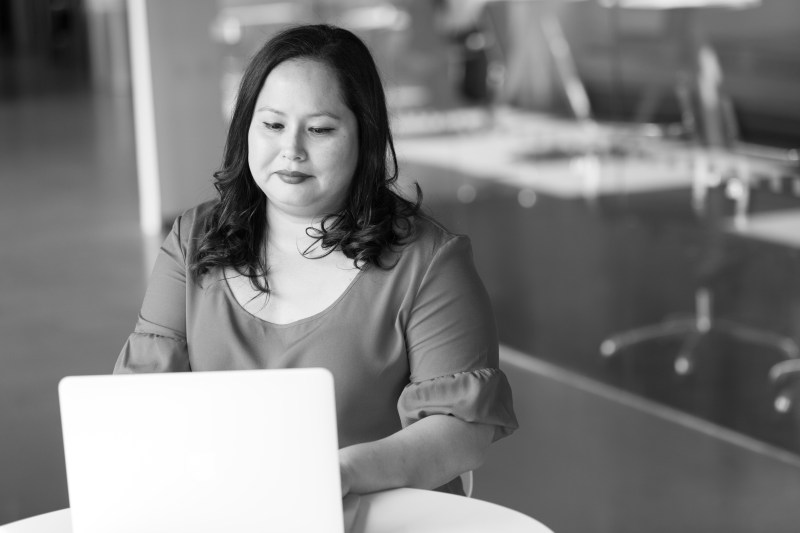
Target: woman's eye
274,126
320,131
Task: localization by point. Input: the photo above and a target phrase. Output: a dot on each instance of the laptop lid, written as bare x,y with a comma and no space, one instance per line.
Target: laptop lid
242,451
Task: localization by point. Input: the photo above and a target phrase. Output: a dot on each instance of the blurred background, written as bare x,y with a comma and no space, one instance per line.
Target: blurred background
627,170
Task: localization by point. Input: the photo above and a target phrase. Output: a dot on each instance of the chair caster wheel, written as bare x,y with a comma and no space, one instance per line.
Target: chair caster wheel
608,348
782,403
683,366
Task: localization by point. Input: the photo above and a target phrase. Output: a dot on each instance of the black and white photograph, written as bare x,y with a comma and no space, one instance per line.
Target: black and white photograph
383,266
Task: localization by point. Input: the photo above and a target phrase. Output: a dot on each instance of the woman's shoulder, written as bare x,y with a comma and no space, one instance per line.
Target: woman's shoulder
197,214
430,237
189,226
192,221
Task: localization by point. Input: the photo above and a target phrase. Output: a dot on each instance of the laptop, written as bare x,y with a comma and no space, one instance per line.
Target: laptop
239,451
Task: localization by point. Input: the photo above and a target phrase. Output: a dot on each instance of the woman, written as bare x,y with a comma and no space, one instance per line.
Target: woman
309,258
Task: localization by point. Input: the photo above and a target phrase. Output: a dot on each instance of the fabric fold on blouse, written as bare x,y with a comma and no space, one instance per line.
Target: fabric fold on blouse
480,396
153,348
164,354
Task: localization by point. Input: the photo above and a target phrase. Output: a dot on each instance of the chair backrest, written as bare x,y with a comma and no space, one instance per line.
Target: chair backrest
468,482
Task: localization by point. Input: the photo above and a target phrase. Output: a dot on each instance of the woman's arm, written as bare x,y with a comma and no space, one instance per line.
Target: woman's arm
158,343
456,401
426,454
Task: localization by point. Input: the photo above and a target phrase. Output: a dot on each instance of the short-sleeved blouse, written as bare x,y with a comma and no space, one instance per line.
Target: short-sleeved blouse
402,343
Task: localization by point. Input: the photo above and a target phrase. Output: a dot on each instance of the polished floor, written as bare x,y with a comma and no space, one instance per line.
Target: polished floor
563,273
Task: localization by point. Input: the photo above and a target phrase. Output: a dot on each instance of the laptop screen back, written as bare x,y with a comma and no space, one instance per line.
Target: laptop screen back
241,451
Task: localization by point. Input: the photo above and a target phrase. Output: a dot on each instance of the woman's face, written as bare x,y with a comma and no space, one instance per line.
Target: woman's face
303,140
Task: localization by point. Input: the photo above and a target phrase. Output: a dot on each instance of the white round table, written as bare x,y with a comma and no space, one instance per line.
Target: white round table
391,511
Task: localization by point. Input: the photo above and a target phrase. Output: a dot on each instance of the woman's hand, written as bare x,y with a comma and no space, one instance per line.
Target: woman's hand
346,475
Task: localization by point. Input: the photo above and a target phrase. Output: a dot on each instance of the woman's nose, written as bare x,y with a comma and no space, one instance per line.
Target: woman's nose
293,149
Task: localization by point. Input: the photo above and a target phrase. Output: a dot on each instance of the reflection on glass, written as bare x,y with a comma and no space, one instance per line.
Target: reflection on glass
627,159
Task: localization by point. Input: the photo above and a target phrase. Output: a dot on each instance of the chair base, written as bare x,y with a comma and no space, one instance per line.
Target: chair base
780,374
694,328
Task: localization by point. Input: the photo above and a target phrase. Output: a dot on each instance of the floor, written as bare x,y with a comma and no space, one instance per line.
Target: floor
72,270
563,273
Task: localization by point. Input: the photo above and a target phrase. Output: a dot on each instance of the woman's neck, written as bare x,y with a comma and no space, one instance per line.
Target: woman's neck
287,233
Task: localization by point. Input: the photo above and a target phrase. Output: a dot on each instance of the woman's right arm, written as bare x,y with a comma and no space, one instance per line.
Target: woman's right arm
158,342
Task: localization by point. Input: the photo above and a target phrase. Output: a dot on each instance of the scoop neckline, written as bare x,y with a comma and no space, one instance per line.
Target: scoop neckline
299,321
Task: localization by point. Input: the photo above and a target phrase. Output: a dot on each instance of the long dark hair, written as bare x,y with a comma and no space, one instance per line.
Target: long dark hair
375,217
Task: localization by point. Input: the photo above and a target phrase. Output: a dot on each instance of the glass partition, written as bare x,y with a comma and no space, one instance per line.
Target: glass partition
628,174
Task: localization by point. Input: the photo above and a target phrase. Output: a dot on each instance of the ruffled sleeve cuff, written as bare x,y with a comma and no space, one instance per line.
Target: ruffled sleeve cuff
482,396
149,352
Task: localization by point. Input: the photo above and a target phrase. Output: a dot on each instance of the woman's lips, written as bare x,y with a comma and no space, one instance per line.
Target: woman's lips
292,177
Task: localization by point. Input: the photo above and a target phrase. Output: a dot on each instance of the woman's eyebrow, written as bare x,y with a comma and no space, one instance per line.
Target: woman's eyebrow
325,114
313,115
270,109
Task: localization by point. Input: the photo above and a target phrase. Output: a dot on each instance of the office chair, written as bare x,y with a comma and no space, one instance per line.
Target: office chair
467,482
717,166
693,328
